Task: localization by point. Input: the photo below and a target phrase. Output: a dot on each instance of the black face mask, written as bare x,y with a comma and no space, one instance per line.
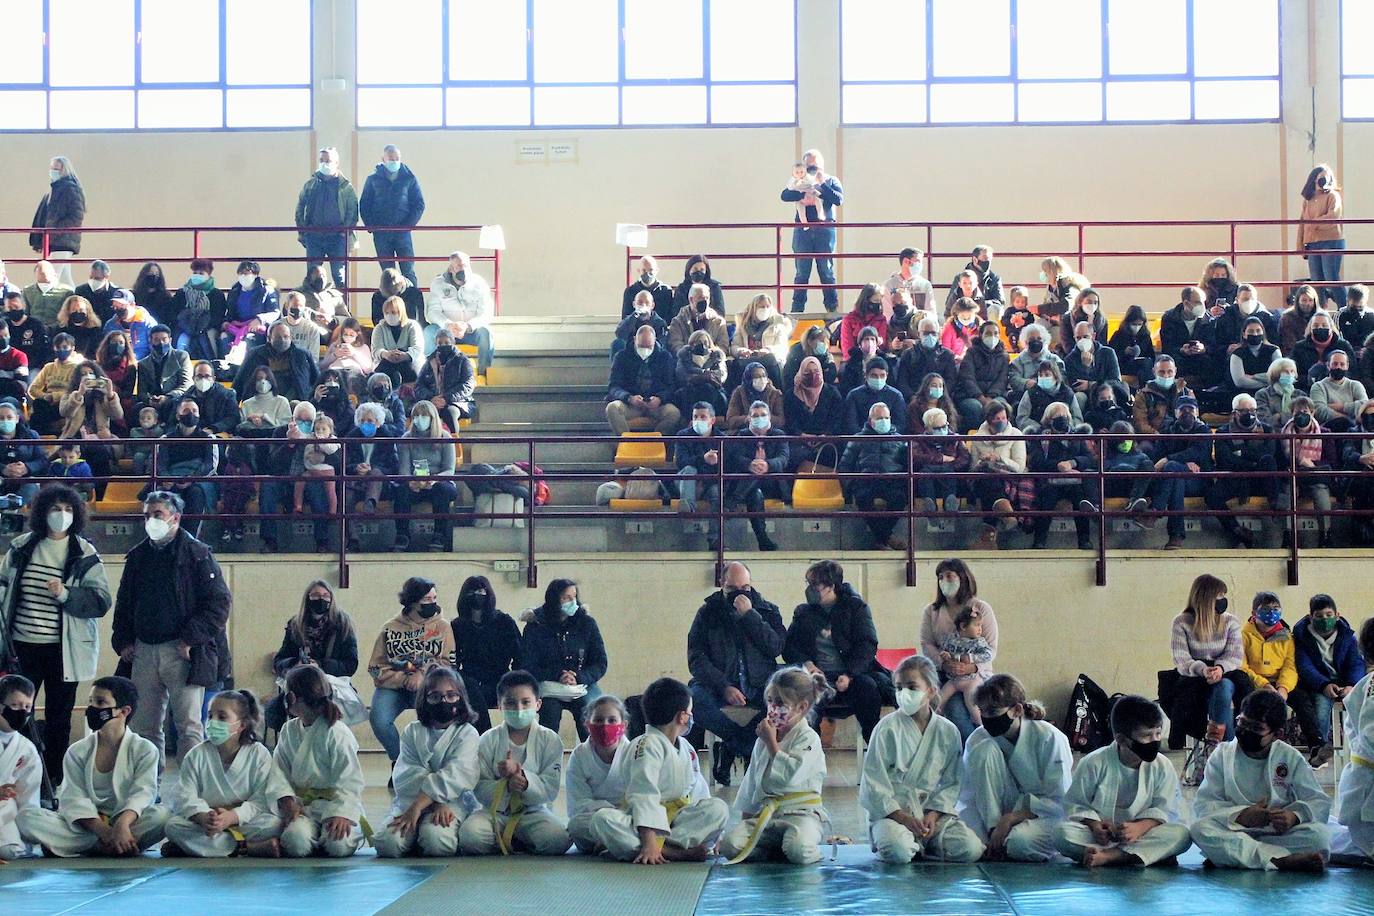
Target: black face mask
1105,405
381,393
732,593
1145,750
316,285
294,312
189,421
701,307
1251,742
698,275
997,725
14,316
1245,420
1302,420
428,609
475,601
1254,340
317,607
1060,424
16,718
96,717
443,352
1036,345
1322,334
442,713
700,349
1367,421
1221,605
1336,374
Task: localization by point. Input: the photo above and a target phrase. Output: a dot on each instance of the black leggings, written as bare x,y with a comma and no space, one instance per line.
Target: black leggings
42,664
862,699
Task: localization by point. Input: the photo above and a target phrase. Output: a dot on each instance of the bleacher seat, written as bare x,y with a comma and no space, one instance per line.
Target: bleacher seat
641,450
801,325
121,498
818,493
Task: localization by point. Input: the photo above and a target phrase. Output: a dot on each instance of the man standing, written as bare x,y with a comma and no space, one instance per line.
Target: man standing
392,197
732,651
169,621
817,235
327,200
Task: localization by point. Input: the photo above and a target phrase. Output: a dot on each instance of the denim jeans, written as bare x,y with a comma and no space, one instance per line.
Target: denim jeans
1313,711
441,497
1170,493
814,241
692,491
276,497
392,246
387,704
958,714
331,248
1220,706
706,709
1327,267
479,337
551,710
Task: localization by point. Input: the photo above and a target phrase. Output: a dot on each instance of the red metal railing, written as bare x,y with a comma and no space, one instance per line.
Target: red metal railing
199,249
710,236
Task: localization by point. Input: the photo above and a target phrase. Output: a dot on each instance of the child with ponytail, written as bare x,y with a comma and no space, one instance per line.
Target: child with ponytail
595,777
318,755
779,803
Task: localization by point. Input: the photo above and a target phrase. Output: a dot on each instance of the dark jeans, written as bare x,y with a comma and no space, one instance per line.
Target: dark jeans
1324,266
930,485
400,373
1313,711
1047,496
1170,493
815,241
551,710
441,497
706,709
276,496
1220,492
482,698
893,494
863,700
332,248
393,245
42,664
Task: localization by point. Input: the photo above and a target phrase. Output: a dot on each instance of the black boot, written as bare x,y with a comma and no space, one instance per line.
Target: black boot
761,532
722,763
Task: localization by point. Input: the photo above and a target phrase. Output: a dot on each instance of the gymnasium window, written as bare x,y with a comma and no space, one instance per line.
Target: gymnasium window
154,64
1357,60
593,63
1060,61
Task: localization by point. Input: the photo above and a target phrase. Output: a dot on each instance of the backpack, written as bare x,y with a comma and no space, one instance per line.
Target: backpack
1088,721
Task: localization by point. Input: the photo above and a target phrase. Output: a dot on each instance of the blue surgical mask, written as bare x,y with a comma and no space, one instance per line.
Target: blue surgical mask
368,428
7,427
935,393
305,426
1286,380
701,427
1165,383
929,341
820,348
161,349
519,718
877,384
63,354
1047,383
569,608
392,165
759,423
421,423
882,425
939,430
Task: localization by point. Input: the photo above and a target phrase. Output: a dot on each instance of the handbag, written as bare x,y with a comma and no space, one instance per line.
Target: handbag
816,486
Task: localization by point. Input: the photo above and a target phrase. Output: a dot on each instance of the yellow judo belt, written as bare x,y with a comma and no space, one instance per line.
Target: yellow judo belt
505,836
674,807
770,807
1362,761
308,796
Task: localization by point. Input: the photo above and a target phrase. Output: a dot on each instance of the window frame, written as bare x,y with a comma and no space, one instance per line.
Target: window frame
138,86
1015,81
622,82
1341,74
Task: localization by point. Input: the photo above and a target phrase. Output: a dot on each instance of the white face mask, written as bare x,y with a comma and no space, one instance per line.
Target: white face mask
759,383
1247,307
644,352
910,700
1084,344
204,384
264,386
329,168
949,587
157,529
1199,310
393,320
59,520
246,281
764,314
98,284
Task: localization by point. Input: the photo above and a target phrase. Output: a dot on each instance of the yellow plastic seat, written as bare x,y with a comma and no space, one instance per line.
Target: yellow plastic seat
820,493
641,450
800,326
774,505
636,505
121,498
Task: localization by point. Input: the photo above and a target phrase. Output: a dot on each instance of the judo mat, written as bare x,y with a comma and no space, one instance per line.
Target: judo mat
853,883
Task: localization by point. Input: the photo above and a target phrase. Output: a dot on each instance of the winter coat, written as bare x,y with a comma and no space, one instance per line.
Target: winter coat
721,640
88,599
340,656
873,453
304,373
554,643
63,207
825,420
982,373
305,207
685,322
454,380
628,372
1347,667
389,201
485,651
918,362
851,628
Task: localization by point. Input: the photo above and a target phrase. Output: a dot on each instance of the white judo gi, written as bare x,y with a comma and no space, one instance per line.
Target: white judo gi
22,767
321,764
664,791
1105,789
442,763
85,794
1355,797
1031,775
509,819
908,770
779,802
1233,782
592,784
252,786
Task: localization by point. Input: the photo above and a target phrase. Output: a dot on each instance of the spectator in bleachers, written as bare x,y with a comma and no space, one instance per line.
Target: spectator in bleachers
45,295
1103,409
1188,334
982,376
1091,363
349,352
1329,666
300,321
130,319
1127,456
1239,451
409,645
1061,287
919,361
294,370
1358,457
698,315
866,313
198,311
755,385
881,450
150,292
907,276
961,329
1322,206
761,336
998,493
1295,319
6,286
814,343
760,451
264,409
966,286
902,324
815,234
320,633
1087,307
1314,453
164,376
1230,326
14,368
394,283
486,644
1134,345
1179,456
697,271
1250,361
376,389
251,304
1356,321
1338,397
427,455
1064,452
117,361
934,453
699,455
219,412
1034,353
1318,343
324,300
63,208
367,458
1157,399
396,343
931,394
21,454
189,459
832,632
91,411
460,301
874,389
446,381
1275,401
77,318
327,200
52,382
642,385
641,313
27,335
701,374
1219,285
331,398
868,346
660,293
1016,315
1267,640
987,285
814,410
562,645
70,465
956,591
1049,389
392,197
287,457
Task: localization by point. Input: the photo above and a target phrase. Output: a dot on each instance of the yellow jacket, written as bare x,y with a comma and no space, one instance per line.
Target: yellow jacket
1269,662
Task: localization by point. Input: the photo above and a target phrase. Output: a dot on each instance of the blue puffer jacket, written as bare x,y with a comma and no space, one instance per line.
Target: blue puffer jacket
1313,673
388,201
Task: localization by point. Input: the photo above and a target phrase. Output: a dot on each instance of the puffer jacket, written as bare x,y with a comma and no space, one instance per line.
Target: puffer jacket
1271,660
63,207
873,453
720,635
388,201
982,373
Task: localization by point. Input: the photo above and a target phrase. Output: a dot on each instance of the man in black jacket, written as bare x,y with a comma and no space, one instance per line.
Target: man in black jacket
648,281
1239,451
642,385
169,622
219,412
732,651
760,450
392,197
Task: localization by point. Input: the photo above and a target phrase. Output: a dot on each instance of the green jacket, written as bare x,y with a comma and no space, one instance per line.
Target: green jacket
348,206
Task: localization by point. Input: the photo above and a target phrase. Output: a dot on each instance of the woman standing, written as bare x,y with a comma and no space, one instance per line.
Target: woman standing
1322,205
319,634
52,590
956,590
409,645
62,208
486,644
564,651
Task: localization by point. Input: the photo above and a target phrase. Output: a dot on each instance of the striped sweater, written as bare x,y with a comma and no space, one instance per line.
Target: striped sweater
1193,655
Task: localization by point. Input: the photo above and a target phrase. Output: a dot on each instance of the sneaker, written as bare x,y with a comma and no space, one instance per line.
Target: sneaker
1195,764
1322,756
439,545
896,542
1175,542
928,505
238,532
1138,505
951,503
767,544
226,535
1003,508
1087,505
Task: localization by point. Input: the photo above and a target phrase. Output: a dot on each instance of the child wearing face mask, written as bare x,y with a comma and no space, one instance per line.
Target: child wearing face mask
436,772
1259,805
109,785
148,428
520,767
965,644
224,805
21,767
1016,774
596,769
1314,452
68,463
320,459
911,776
1270,658
779,803
1122,805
